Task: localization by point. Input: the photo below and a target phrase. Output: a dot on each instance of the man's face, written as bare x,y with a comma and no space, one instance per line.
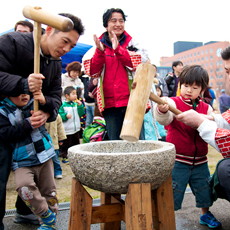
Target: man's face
60,43
116,24
227,68
23,29
178,69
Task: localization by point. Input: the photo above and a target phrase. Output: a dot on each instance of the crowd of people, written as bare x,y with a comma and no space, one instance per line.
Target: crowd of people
98,90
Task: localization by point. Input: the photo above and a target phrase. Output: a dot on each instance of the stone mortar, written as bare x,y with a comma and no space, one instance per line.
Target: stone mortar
110,166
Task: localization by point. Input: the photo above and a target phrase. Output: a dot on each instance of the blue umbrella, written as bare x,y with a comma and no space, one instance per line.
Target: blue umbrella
76,54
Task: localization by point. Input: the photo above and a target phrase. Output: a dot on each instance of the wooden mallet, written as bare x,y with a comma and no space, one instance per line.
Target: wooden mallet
39,17
138,99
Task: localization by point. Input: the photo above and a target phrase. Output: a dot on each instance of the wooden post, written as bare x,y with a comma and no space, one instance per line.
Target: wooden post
80,207
164,207
107,198
138,210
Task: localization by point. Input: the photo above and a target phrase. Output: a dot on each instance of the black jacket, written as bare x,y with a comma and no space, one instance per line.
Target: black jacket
171,83
86,81
17,63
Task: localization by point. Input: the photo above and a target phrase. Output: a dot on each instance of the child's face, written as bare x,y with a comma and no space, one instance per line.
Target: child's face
190,91
72,96
21,100
158,92
74,74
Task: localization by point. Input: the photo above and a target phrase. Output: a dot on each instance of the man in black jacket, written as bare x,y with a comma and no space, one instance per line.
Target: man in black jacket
17,77
172,79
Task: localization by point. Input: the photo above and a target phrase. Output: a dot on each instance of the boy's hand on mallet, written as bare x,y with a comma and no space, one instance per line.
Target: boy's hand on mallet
38,95
38,118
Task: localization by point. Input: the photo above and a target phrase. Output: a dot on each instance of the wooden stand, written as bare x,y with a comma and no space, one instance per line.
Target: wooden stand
141,210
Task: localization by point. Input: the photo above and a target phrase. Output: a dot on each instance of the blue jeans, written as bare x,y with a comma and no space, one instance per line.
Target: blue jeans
57,164
197,177
89,114
114,120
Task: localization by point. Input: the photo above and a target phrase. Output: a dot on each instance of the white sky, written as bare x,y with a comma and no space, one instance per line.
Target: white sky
155,24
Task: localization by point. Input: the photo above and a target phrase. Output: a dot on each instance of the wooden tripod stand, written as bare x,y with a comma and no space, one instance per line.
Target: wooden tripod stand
141,210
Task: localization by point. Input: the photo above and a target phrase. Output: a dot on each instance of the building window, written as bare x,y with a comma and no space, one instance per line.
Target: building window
198,59
206,51
211,70
187,56
210,50
194,55
190,55
211,84
217,69
206,64
181,58
191,61
206,58
184,57
198,53
217,63
217,83
211,77
221,76
211,57
221,62
202,59
210,63
221,83
187,62
221,69
195,61
202,52
217,76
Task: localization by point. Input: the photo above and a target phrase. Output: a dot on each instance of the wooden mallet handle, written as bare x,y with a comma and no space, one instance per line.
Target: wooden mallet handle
159,101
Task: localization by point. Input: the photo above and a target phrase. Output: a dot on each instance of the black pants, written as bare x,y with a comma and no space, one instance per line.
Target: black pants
72,139
5,162
114,118
223,171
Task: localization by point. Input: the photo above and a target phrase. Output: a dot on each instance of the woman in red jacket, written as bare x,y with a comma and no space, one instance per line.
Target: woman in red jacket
114,62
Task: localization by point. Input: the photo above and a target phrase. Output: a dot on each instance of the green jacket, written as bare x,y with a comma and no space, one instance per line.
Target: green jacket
73,124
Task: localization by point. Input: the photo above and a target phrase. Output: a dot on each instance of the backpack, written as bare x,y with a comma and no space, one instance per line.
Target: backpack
95,131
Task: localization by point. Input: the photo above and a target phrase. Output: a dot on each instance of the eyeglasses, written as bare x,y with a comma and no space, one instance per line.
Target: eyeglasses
114,20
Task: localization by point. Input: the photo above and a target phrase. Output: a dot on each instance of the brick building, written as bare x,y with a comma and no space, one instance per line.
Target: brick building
208,56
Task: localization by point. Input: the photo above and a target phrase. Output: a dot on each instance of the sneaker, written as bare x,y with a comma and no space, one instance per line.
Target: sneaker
26,219
48,217
65,161
58,176
46,227
210,220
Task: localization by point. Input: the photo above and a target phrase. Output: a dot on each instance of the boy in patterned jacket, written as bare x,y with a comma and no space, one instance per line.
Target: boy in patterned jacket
191,151
32,156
